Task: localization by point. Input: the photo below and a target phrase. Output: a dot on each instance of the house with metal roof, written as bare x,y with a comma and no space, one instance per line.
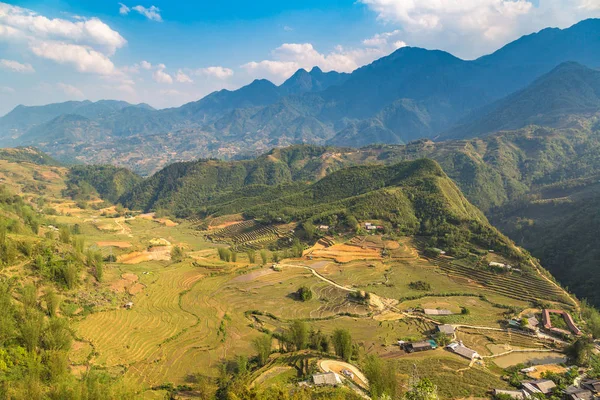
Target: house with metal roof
540,386
445,329
463,351
327,379
433,311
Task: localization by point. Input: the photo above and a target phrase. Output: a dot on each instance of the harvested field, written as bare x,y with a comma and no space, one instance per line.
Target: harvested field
120,245
166,222
154,254
344,253
541,369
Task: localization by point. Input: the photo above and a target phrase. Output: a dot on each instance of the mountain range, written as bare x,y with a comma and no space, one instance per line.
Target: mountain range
413,93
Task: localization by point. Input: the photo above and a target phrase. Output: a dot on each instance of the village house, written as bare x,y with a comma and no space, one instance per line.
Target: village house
324,227
327,379
576,393
445,329
128,305
419,346
463,351
547,321
540,386
432,311
591,384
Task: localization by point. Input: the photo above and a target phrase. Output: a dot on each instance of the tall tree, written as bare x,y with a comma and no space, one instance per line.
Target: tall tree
342,343
262,346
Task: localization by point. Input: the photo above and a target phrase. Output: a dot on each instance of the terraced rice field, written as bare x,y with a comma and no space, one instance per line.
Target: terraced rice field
125,336
487,342
520,286
248,235
345,253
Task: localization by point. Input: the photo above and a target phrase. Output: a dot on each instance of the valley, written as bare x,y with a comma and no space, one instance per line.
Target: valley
161,320
421,228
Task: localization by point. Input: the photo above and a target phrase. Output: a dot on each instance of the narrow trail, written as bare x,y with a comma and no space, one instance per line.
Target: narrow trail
321,277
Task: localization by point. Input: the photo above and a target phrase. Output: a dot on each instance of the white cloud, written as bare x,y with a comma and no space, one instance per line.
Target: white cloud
70,90
6,90
123,9
215,72
82,58
181,77
289,57
152,13
471,28
146,65
20,22
16,66
161,76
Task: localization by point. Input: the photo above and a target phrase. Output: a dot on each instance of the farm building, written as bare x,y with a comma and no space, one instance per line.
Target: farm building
532,323
566,316
433,311
439,251
128,305
324,227
445,329
540,386
575,393
515,394
327,379
463,351
419,346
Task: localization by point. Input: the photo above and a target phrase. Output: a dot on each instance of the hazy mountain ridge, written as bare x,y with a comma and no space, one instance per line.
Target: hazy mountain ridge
410,94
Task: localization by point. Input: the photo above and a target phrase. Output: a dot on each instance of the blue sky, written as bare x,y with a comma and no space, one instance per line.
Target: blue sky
166,53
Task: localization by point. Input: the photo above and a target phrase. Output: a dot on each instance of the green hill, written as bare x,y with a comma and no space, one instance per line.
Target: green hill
27,154
559,224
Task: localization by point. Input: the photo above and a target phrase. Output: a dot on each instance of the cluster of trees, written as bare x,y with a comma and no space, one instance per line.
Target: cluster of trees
304,293
420,285
34,346
87,181
300,336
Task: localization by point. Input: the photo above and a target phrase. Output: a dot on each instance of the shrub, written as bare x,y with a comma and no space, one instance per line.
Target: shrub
304,293
420,285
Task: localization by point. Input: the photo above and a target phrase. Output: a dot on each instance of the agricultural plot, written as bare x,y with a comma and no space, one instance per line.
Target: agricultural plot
451,374
487,342
479,312
248,235
343,253
520,286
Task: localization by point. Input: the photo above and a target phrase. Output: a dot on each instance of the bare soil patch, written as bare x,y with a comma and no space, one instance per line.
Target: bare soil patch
126,282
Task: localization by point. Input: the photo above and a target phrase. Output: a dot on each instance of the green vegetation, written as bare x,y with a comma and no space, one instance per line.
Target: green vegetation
304,293
106,181
342,343
420,285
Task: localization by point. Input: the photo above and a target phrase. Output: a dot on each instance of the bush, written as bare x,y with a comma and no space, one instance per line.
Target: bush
304,293
420,285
